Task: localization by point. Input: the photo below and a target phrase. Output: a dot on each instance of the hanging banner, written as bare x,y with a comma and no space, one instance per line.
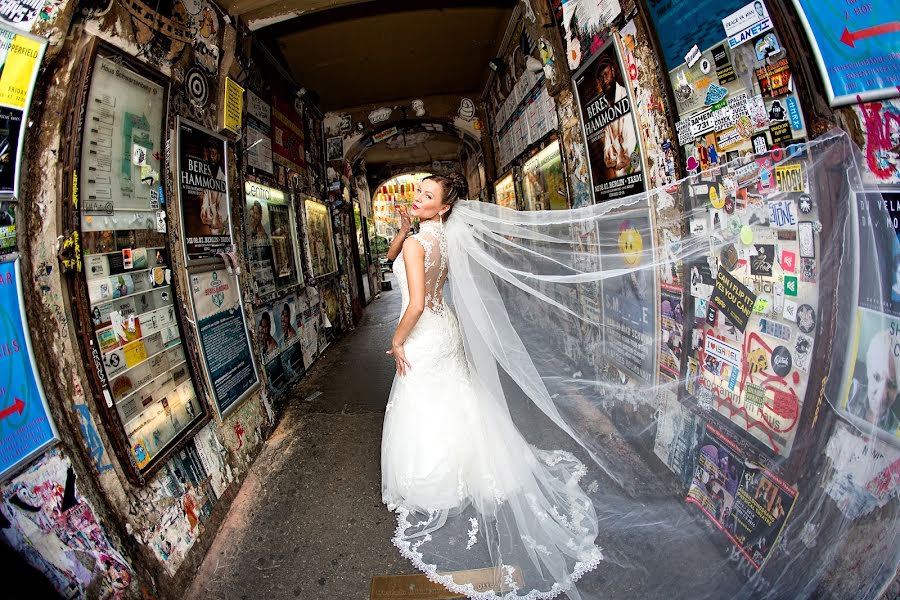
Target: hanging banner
855,47
224,341
25,425
614,153
203,192
20,59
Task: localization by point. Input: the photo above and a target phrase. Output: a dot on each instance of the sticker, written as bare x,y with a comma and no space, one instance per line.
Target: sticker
788,261
746,235
807,241
715,94
705,65
763,304
757,360
631,245
744,126
776,111
140,452
805,203
127,261
781,133
775,329
803,352
782,214
781,361
764,261
790,285
766,183
724,70
760,143
755,395
808,270
790,311
139,155
778,305
746,23
794,113
766,46
160,221
716,197
731,297
723,350
774,80
756,108
806,318
698,226
692,56
729,257
729,208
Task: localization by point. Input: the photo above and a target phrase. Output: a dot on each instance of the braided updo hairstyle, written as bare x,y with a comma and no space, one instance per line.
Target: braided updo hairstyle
454,186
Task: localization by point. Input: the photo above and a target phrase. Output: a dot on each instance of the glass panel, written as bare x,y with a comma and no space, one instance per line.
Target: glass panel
543,182
505,192
127,267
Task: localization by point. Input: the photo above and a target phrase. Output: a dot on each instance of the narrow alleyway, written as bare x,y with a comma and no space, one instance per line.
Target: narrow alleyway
309,522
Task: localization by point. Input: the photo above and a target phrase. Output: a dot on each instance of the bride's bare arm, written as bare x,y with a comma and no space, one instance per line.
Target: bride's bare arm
399,238
414,260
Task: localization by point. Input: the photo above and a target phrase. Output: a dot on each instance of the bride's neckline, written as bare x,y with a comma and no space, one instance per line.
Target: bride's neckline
433,227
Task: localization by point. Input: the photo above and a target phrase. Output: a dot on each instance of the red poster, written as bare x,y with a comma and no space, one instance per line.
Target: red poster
287,135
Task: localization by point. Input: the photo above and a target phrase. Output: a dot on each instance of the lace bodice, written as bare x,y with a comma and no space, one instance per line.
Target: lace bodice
434,242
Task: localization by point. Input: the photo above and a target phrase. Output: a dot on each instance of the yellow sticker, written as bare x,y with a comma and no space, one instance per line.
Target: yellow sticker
135,353
631,245
716,197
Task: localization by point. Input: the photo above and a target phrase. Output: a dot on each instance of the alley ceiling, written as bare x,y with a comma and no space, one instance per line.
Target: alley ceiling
354,53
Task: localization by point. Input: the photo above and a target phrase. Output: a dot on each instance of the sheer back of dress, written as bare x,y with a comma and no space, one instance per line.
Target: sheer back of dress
431,236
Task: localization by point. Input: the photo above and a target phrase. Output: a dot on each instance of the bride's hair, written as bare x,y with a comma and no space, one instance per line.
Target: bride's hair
454,186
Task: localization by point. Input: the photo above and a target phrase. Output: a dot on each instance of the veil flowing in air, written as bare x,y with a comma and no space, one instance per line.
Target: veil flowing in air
695,371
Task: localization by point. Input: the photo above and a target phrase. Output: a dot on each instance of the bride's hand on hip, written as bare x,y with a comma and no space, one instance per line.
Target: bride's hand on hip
399,354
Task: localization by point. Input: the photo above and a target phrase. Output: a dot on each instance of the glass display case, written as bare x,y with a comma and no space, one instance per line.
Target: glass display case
271,239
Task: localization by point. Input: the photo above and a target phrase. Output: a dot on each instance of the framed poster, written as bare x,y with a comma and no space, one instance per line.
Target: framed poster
608,123
543,180
505,192
271,238
320,238
856,50
26,428
125,292
280,329
20,60
224,339
203,192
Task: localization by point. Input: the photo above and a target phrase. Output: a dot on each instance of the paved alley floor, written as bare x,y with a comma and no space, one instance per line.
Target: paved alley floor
308,521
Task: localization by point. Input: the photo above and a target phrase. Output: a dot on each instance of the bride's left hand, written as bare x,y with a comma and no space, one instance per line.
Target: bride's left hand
399,354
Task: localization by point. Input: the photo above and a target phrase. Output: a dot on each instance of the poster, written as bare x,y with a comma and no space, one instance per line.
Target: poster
583,22
20,60
280,328
543,180
271,238
671,344
203,192
880,122
25,425
614,154
505,192
320,239
855,48
750,504
287,135
629,304
224,341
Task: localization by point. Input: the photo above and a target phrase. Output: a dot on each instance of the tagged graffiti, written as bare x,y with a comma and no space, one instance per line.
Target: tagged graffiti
881,122
57,532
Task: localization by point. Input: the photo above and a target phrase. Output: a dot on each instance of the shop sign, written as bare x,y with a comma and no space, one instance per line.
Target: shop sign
857,58
26,428
224,341
203,192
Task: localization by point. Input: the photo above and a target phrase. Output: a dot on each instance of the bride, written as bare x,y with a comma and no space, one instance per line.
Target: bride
479,509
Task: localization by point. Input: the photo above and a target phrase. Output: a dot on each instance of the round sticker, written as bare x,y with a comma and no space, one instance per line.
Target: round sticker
781,361
729,205
746,235
705,66
630,244
744,127
729,257
806,318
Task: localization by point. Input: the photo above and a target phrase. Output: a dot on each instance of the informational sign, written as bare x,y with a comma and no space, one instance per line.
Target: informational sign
203,192
26,428
614,152
20,59
224,341
233,106
855,46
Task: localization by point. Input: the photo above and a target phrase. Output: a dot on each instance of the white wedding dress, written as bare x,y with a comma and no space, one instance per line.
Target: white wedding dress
479,509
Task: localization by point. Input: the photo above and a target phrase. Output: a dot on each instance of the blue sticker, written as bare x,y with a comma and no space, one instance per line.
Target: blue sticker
794,113
715,93
162,197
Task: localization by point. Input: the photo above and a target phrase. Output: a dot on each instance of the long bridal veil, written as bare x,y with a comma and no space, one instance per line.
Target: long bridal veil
688,368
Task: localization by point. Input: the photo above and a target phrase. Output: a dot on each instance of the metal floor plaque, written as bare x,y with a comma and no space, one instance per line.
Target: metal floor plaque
418,587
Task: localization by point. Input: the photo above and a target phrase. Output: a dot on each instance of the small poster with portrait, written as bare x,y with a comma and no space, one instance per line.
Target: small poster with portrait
203,192
319,236
271,238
